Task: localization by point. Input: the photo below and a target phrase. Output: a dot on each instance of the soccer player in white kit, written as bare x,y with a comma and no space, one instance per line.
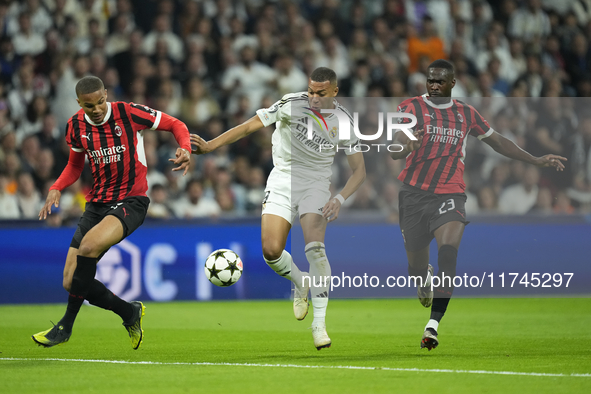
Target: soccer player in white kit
299,183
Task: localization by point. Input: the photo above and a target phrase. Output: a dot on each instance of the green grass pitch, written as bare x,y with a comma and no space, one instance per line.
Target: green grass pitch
542,344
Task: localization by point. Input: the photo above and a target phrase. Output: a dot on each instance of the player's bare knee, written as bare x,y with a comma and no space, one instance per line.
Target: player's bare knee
272,251
88,248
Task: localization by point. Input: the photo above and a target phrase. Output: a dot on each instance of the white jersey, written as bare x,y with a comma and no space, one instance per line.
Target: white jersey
310,158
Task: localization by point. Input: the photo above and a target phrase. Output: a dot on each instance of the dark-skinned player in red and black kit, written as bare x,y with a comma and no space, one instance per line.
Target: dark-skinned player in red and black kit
432,198
110,135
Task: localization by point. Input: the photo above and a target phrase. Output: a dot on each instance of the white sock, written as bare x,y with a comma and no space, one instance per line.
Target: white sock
285,267
320,273
319,305
434,324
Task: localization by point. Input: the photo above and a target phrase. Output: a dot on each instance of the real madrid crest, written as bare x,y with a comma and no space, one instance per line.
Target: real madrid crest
118,130
333,132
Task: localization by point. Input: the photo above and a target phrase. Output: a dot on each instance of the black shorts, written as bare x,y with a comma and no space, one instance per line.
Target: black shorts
131,211
421,213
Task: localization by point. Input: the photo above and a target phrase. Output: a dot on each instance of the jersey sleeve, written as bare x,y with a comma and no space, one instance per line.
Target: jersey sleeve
144,117
407,106
280,111
72,140
353,141
480,127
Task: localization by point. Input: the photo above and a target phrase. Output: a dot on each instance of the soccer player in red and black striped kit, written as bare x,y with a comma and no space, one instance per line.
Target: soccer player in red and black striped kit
432,198
110,135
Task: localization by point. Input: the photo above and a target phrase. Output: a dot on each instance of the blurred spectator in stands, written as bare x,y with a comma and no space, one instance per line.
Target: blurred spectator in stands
578,58
334,56
482,17
73,201
382,37
8,202
359,48
563,204
552,56
86,43
582,9
357,84
197,107
188,19
487,200
29,153
194,204
543,205
124,61
27,41
579,154
365,198
396,88
249,78
7,143
12,167
8,59
387,201
529,22
499,83
486,97
493,49
159,207
118,40
520,198
32,123
90,9
255,192
45,169
162,31
532,78
290,78
426,43
22,94
567,30
67,74
154,176
29,198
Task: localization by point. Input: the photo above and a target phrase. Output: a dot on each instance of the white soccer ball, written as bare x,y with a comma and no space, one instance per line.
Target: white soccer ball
223,267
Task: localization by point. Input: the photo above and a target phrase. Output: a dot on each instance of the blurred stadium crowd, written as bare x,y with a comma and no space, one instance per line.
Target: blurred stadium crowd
212,63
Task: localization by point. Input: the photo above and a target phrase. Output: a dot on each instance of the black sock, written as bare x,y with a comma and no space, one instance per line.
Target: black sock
447,259
102,297
81,281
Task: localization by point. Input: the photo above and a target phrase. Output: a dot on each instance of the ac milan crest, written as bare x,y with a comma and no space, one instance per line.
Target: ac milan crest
118,130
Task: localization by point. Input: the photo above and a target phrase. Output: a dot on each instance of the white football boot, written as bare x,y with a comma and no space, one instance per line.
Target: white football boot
300,301
321,339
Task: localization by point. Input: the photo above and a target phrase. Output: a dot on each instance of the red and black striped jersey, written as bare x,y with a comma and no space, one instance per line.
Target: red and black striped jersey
115,149
438,165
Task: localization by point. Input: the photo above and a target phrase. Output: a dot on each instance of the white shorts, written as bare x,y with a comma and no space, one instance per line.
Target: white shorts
286,196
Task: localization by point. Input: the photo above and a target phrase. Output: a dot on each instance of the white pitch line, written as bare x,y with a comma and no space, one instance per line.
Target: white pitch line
465,371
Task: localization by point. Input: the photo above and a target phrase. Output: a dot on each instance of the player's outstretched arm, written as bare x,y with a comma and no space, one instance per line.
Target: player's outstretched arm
408,145
508,148
357,164
69,175
234,134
